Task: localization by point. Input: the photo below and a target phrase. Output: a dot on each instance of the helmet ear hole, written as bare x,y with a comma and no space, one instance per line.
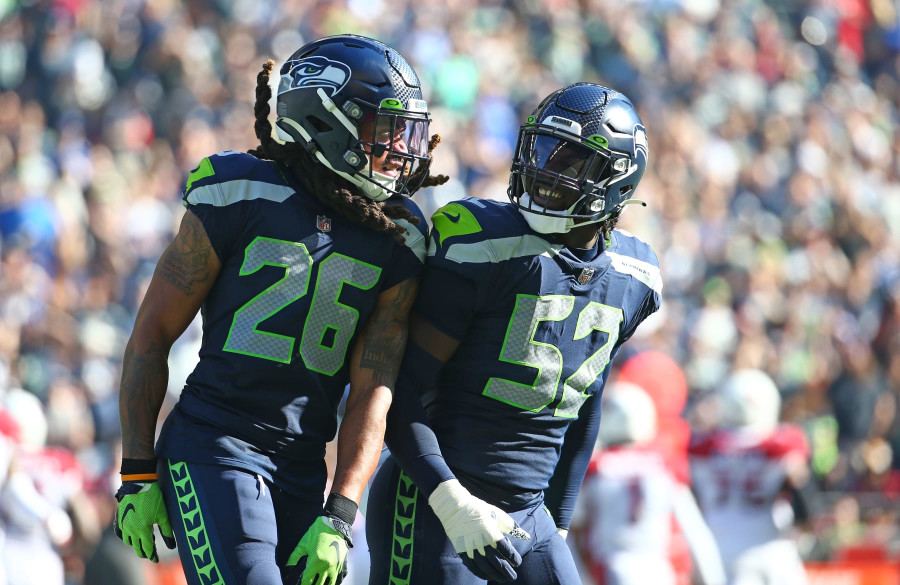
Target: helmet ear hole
319,124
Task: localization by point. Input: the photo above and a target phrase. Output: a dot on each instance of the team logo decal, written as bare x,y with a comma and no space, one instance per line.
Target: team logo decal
330,75
323,223
586,275
640,141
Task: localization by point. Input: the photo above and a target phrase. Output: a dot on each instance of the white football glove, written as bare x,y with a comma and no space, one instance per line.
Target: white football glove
471,523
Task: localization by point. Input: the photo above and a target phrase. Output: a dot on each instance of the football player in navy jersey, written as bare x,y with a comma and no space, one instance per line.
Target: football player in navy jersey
522,307
303,257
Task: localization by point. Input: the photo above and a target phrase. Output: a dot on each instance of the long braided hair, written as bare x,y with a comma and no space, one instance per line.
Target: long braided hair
330,189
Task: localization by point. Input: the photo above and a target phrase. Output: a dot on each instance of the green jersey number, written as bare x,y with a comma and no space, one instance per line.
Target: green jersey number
520,347
329,324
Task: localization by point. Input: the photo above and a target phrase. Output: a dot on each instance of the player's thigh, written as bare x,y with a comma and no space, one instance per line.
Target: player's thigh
224,523
624,569
773,563
784,564
407,544
546,559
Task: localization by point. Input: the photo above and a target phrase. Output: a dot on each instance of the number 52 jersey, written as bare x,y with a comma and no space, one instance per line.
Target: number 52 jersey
297,283
538,326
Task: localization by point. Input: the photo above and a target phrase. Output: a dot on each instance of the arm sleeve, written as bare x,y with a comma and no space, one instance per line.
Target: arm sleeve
408,435
573,463
445,300
651,304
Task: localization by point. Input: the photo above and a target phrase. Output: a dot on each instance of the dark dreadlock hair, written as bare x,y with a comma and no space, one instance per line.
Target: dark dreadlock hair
332,190
608,225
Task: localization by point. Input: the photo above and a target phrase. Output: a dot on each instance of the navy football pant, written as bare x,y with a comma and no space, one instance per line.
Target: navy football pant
231,527
408,546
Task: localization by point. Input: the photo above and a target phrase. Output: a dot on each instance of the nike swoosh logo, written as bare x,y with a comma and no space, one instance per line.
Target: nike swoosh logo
453,218
125,512
337,550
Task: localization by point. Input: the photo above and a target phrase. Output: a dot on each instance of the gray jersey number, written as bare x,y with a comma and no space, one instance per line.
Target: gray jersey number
520,347
329,324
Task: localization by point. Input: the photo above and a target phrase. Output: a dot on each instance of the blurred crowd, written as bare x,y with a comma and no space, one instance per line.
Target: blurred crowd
773,196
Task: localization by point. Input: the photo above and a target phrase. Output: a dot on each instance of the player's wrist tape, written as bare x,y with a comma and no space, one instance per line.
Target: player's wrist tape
138,470
340,507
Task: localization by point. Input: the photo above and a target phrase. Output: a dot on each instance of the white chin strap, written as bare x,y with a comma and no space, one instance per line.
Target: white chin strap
551,223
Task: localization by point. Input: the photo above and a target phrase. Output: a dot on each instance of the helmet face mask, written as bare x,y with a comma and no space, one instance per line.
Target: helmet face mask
578,158
356,105
395,146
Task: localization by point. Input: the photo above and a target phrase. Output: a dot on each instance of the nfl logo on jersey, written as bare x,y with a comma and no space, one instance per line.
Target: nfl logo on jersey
585,276
323,223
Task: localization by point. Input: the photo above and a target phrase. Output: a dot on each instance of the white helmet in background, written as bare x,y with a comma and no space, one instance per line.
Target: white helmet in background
28,412
628,415
750,399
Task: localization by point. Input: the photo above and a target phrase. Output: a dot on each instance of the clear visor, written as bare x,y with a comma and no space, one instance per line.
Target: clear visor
397,145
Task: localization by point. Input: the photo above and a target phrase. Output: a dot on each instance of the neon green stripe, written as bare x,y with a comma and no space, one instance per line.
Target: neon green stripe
454,220
404,522
194,527
203,170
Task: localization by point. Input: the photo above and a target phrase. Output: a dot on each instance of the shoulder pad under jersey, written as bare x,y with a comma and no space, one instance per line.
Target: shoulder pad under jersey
416,234
482,231
230,177
631,255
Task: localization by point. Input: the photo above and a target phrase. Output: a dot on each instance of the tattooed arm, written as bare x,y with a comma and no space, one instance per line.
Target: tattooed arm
183,277
373,373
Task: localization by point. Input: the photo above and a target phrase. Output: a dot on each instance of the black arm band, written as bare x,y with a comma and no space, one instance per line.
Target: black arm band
137,466
340,507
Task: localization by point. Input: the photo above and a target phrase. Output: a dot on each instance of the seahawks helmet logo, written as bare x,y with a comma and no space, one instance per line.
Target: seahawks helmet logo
330,75
640,141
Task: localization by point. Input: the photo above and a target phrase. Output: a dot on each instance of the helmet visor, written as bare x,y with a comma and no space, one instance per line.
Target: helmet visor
397,147
557,172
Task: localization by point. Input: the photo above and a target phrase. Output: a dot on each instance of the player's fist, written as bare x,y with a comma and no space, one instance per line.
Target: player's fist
477,530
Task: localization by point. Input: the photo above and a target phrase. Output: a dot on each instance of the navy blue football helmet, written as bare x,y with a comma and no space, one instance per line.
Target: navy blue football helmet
332,89
579,157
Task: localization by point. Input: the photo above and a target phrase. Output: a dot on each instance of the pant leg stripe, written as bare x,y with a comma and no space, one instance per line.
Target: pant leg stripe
194,527
403,532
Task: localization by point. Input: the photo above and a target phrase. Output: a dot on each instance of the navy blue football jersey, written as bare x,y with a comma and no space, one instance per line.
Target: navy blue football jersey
538,326
297,283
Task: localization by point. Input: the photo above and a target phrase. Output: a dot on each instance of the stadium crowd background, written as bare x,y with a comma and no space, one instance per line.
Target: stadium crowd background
773,198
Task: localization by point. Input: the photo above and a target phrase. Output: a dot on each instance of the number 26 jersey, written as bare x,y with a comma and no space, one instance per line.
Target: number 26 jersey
298,281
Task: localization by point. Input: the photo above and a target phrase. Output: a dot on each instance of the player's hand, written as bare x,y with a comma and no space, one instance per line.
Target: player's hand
478,531
140,508
320,557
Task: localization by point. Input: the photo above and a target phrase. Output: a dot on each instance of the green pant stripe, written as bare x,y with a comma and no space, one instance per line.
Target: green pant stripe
194,527
402,541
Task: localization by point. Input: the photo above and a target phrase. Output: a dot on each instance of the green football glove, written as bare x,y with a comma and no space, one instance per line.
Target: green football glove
323,550
320,557
140,507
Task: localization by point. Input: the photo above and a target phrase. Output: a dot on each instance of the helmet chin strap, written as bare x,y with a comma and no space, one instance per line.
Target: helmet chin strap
378,188
551,221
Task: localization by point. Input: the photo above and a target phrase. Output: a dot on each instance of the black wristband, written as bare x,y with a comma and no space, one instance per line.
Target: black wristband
340,507
138,466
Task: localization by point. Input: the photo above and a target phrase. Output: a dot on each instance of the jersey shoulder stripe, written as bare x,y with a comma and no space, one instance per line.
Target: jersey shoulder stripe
631,255
483,231
416,234
230,177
